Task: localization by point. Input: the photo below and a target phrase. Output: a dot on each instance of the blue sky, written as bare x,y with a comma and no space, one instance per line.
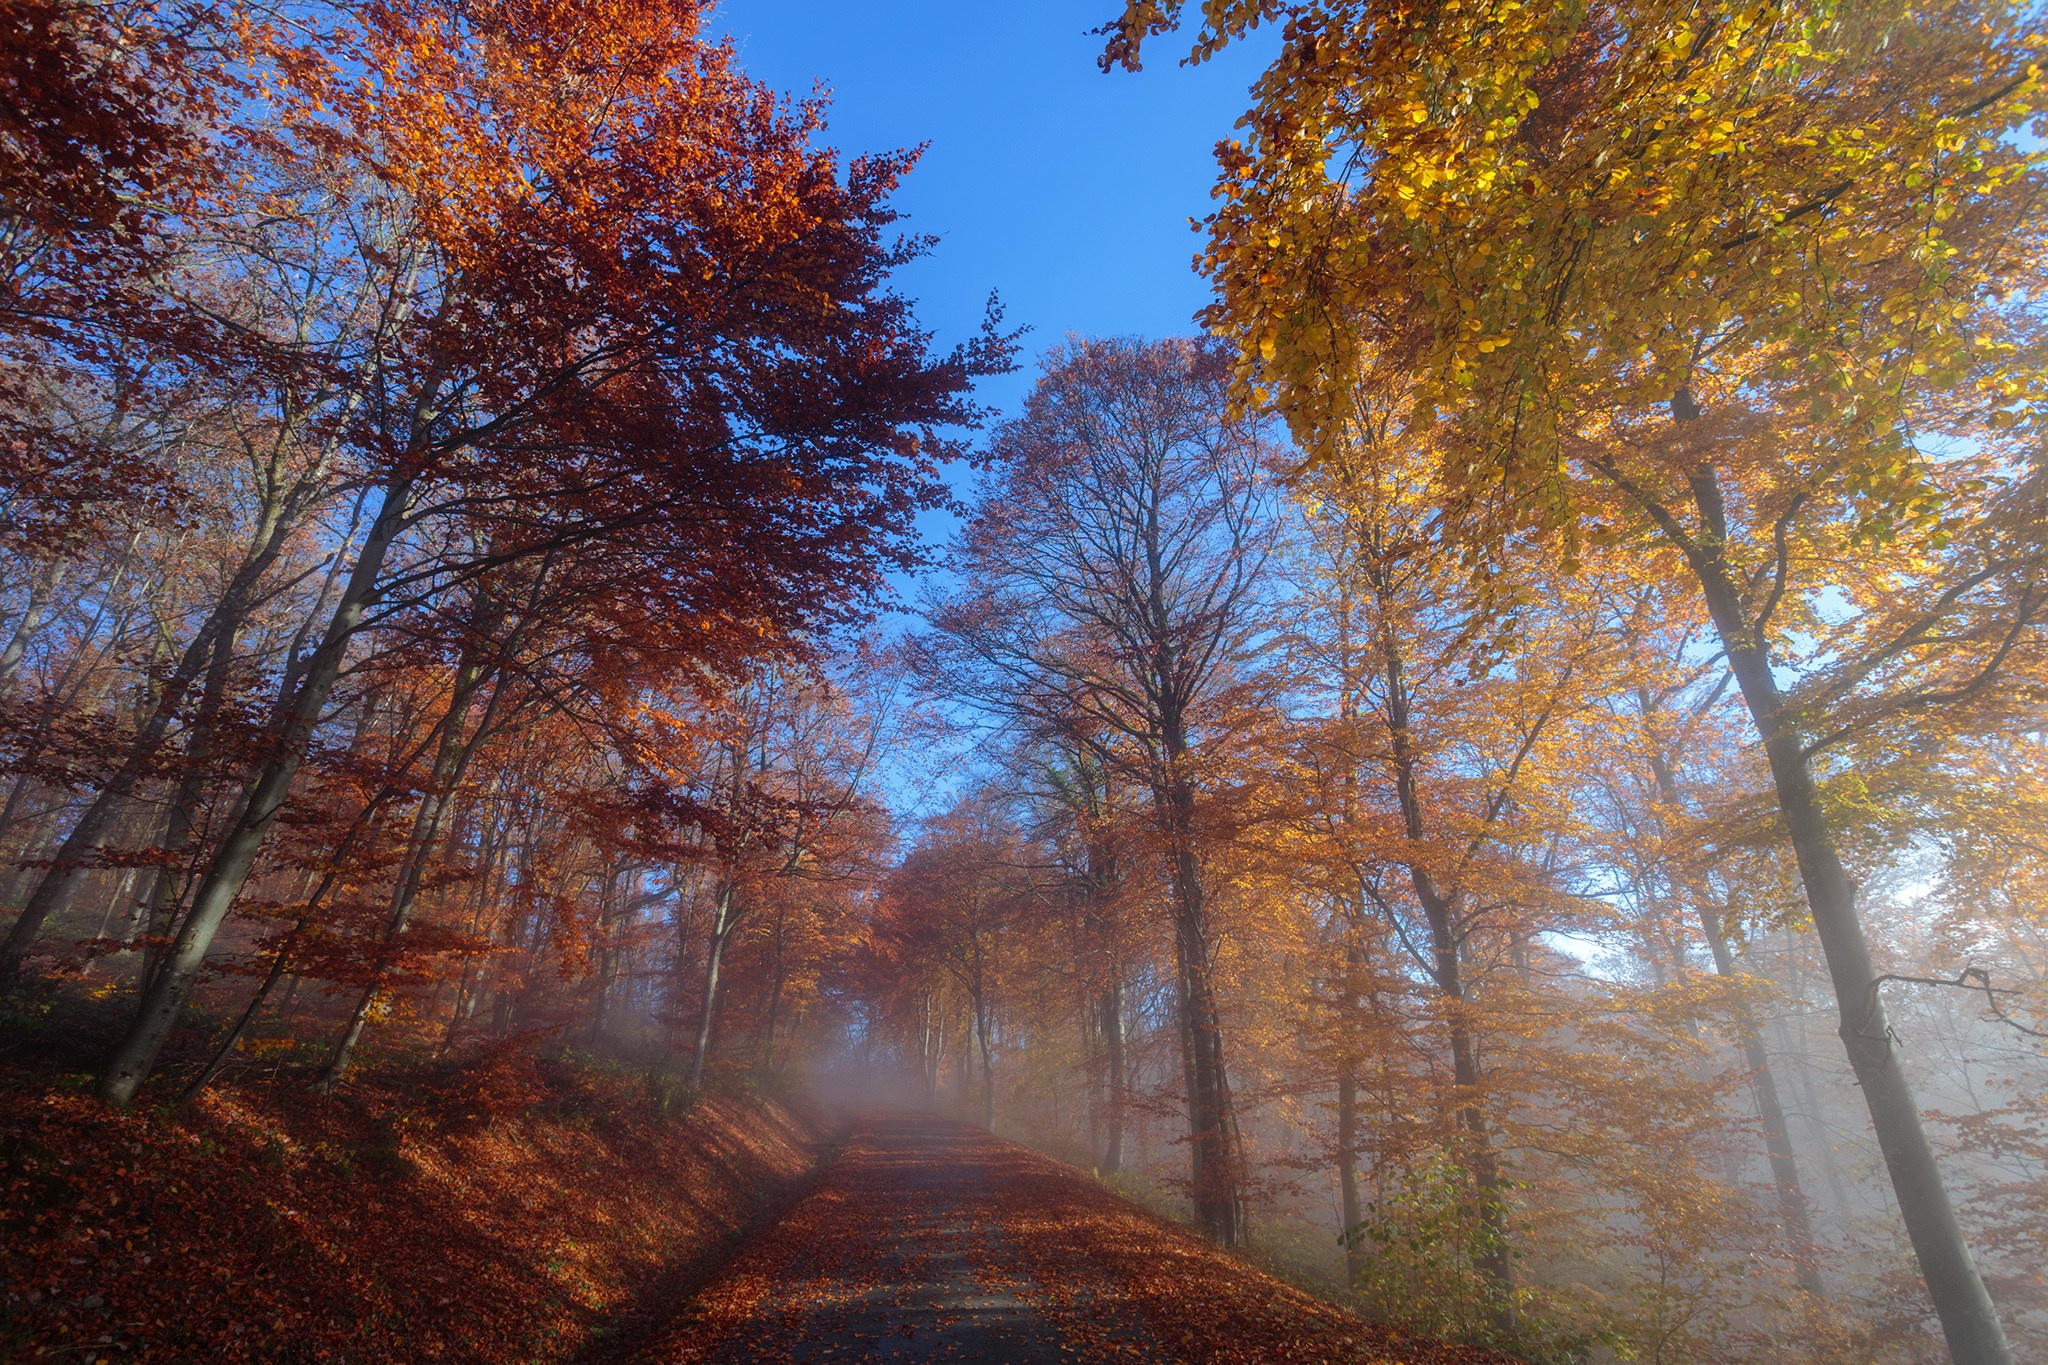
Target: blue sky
1066,190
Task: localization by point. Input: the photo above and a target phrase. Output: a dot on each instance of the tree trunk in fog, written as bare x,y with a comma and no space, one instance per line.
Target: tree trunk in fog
280,963
933,1040
1802,1061
1792,1210
164,1001
182,820
450,757
487,885
609,954
1493,1258
1210,1117
722,920
966,1072
74,857
1113,1048
1100,890
778,981
1347,1169
1347,1117
1969,1321
988,1069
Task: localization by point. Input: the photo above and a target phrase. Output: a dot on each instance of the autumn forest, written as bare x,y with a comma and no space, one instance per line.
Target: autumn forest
573,788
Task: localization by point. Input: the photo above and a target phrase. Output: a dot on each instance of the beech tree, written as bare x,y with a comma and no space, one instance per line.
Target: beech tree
1113,575
1715,275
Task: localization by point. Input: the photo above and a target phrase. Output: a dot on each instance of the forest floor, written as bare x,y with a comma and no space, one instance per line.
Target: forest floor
930,1240
518,1210
514,1210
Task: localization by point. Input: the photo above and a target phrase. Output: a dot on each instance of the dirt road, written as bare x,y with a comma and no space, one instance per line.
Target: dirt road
929,1240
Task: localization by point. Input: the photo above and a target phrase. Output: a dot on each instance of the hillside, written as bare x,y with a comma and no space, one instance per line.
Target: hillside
506,1212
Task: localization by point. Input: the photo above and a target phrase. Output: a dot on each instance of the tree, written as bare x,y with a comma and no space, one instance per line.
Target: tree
955,901
1795,228
105,110
1113,576
665,323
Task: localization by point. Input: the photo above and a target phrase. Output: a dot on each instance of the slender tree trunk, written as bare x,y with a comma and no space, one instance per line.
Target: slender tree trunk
988,1070
164,1002
486,886
41,590
1351,666
1969,1321
1493,1258
74,857
451,756
1113,1048
1100,918
935,1053
610,954
279,965
1792,1210
182,820
1210,1118
1353,1208
774,1010
722,918
1347,1121
966,1073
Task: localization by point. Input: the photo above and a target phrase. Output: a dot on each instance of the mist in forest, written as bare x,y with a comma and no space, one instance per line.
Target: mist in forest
1497,773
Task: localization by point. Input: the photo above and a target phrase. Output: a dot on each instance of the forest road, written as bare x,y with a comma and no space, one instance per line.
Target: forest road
927,1240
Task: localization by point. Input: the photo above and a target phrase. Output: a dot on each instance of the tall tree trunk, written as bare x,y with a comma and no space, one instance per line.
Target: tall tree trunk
988,1066
1969,1321
450,757
1493,1257
280,963
608,899
1100,918
1347,1116
722,920
1212,1152
164,1002
75,856
182,820
41,590
1353,1208
935,1050
485,891
1792,1211
1800,1050
775,989
1113,1049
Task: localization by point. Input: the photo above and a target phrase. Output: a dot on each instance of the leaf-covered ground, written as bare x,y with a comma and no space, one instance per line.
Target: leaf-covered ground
932,1241
513,1212
519,1212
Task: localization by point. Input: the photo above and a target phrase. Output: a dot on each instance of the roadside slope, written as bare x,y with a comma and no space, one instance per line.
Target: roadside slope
510,1213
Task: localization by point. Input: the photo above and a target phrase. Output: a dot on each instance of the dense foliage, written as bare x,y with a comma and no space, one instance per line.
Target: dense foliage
1410,780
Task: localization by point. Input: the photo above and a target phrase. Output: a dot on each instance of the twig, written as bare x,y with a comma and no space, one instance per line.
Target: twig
1970,978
